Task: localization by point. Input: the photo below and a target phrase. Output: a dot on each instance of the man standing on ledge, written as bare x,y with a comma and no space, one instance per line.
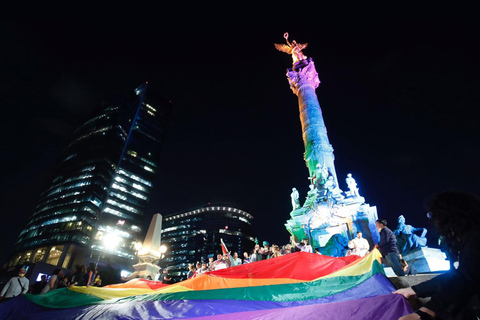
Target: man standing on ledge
388,247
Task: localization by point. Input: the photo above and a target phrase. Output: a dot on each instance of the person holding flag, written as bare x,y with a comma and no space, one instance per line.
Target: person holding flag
220,263
224,260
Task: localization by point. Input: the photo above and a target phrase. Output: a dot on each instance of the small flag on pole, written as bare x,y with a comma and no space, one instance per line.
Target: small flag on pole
224,247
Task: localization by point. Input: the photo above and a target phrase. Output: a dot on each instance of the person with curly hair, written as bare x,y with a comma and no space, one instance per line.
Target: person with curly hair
454,294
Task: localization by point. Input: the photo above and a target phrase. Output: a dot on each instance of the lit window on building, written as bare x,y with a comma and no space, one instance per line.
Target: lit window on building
54,255
119,187
148,169
139,187
39,255
139,195
27,257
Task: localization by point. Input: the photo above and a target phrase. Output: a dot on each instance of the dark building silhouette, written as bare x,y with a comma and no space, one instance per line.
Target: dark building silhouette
194,235
94,208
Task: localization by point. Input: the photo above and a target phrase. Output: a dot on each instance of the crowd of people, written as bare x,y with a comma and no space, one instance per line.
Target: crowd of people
454,294
19,285
88,276
227,260
84,276
258,253
358,246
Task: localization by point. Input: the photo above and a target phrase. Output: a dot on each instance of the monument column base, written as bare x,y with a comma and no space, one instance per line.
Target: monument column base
143,270
426,260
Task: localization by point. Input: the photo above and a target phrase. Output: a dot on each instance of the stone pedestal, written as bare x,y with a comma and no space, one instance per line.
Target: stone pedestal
330,228
143,270
427,260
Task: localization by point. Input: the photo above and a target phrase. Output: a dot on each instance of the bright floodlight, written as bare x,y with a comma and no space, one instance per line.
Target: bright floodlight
163,249
111,241
125,273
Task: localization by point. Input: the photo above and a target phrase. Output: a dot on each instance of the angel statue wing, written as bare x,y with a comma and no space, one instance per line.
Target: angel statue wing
301,46
283,47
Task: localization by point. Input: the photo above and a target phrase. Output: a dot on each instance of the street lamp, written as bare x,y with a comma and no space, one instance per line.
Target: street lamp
163,249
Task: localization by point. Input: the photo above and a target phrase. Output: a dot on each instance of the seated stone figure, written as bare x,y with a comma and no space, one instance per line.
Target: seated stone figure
407,240
332,190
311,197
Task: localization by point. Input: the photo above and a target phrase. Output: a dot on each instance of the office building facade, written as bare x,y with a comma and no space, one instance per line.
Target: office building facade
194,235
94,208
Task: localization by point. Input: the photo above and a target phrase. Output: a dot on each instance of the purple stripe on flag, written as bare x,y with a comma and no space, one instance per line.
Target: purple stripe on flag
390,306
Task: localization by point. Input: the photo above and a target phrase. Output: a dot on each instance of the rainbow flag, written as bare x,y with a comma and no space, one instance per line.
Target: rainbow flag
295,286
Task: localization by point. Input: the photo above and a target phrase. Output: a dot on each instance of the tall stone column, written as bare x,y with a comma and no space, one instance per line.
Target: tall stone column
328,218
303,79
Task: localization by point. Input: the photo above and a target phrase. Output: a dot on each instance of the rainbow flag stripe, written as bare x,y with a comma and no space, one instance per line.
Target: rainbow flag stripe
296,286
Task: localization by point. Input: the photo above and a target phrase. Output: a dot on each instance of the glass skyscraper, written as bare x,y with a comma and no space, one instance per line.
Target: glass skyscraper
194,235
93,209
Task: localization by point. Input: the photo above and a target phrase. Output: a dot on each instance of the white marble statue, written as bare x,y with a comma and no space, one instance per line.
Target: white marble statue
352,185
330,184
332,189
295,199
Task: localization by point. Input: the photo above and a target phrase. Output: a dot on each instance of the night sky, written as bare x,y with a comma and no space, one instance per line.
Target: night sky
400,99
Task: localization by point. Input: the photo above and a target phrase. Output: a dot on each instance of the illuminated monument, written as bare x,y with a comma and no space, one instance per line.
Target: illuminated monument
329,217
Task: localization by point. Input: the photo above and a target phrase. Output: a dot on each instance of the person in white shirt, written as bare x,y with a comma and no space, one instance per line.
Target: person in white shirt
236,260
52,283
15,286
203,268
158,276
220,263
361,245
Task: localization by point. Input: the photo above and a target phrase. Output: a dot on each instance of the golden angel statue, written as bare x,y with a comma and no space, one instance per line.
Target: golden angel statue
294,48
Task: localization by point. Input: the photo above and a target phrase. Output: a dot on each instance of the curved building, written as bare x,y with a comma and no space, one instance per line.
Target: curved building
194,235
93,209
